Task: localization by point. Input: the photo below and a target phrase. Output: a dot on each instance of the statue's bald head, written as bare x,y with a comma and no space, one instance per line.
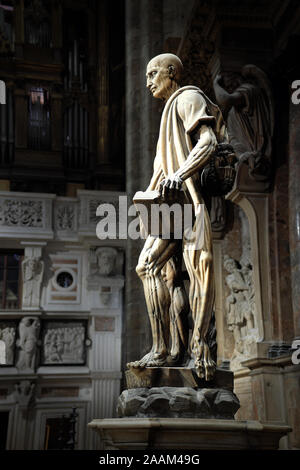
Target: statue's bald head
163,75
170,62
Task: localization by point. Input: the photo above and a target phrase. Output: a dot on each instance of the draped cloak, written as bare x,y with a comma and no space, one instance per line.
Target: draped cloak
185,111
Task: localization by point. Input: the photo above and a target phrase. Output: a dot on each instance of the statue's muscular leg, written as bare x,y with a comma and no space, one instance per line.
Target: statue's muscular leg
154,256
179,309
199,264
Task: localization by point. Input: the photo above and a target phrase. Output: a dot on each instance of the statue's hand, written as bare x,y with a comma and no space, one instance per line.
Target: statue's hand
170,183
218,79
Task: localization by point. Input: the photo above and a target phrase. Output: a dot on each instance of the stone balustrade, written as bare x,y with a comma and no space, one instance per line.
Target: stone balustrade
48,217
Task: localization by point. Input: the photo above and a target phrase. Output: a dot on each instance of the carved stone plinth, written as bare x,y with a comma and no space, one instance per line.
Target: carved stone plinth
176,377
178,402
185,433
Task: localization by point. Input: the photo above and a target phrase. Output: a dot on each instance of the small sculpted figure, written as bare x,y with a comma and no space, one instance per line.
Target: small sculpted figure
240,309
8,336
33,269
28,342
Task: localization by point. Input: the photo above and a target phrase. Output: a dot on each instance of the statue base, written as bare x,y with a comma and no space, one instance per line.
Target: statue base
176,377
171,408
178,402
177,392
185,433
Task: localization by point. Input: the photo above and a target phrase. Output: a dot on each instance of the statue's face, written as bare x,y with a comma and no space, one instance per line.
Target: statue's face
32,263
106,263
230,266
158,79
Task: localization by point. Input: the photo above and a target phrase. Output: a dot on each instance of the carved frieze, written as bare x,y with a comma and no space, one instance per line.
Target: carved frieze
64,343
65,218
94,203
25,214
8,336
22,214
17,213
89,202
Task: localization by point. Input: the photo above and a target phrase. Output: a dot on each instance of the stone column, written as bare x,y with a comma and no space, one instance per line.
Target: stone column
294,211
144,40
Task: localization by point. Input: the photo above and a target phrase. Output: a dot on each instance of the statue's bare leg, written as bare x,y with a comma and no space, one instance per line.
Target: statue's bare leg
179,309
199,264
154,256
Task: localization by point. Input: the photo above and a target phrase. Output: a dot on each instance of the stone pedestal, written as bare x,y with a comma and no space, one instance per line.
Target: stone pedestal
187,433
171,408
177,392
176,377
178,402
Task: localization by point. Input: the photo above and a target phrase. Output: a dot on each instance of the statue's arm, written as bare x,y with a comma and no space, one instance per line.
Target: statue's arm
200,153
226,100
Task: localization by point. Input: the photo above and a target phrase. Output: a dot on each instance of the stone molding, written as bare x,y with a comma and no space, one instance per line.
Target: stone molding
187,433
29,215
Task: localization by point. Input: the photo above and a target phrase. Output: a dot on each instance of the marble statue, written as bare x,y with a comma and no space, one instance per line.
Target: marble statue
250,119
28,342
191,129
33,269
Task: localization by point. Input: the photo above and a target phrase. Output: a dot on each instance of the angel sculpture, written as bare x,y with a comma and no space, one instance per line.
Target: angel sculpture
249,114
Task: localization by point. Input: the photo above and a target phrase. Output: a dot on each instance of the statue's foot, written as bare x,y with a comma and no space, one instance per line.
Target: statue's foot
151,359
205,366
176,359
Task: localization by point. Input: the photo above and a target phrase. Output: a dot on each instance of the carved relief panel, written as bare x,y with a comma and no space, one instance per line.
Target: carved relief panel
65,218
240,308
63,342
8,330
